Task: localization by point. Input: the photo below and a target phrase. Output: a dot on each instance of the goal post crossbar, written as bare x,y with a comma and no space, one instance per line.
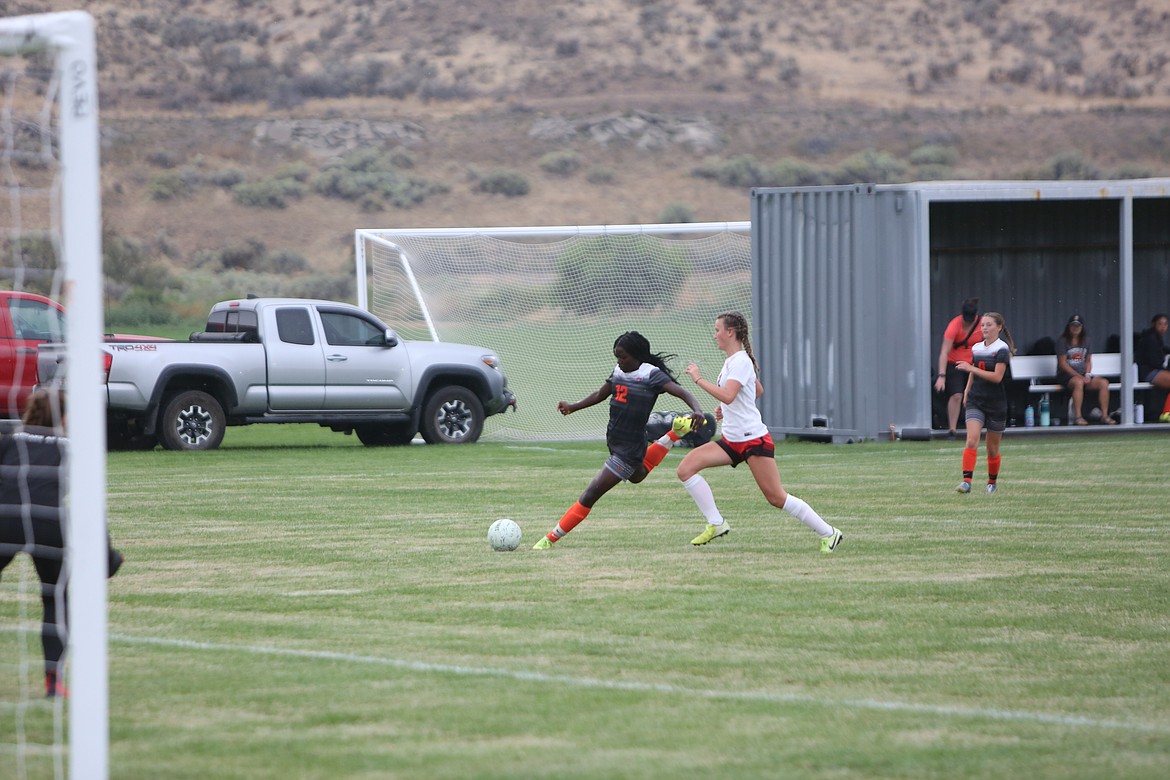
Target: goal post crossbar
566,231
36,32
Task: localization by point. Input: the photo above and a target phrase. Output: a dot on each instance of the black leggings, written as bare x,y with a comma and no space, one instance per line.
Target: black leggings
47,558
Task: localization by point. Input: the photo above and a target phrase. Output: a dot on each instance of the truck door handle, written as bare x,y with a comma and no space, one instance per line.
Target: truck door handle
337,358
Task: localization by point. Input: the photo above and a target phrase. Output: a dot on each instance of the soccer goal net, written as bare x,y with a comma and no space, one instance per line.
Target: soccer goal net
550,301
50,245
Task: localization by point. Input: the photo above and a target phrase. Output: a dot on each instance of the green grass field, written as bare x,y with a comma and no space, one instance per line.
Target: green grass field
294,605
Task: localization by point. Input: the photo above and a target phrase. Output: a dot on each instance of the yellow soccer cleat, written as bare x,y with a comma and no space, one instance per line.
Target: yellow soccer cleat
712,532
829,543
682,425
543,544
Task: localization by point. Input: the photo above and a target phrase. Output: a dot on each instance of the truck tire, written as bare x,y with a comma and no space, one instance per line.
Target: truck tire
388,435
453,415
191,420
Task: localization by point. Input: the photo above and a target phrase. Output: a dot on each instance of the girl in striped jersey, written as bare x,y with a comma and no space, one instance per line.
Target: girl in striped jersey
985,398
635,384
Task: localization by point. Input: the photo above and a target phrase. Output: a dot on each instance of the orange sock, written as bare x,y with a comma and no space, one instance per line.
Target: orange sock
577,512
993,468
969,458
654,455
656,452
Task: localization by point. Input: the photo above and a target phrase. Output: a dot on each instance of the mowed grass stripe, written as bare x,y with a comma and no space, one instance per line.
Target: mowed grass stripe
644,687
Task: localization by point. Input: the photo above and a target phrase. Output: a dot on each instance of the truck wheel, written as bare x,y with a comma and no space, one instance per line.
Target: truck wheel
388,435
191,420
453,415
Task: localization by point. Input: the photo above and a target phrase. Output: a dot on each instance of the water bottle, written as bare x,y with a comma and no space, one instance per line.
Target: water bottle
1029,417
1139,413
1044,419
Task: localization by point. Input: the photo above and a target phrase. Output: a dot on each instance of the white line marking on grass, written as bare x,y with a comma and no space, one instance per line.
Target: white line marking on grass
975,522
537,448
627,686
336,592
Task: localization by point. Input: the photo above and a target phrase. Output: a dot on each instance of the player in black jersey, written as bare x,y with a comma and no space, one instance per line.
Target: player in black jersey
632,389
31,518
985,398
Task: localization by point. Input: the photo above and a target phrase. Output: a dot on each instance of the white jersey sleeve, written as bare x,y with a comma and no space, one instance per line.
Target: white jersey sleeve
741,418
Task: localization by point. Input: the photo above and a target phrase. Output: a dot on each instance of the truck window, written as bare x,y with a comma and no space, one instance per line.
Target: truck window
293,326
232,321
36,320
346,330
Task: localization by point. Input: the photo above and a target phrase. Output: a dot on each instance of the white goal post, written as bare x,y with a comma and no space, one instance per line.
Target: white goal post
50,182
550,301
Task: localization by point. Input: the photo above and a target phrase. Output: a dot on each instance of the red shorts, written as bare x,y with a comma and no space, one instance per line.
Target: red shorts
739,451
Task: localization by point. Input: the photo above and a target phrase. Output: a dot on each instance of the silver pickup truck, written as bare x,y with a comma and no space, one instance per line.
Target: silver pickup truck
284,360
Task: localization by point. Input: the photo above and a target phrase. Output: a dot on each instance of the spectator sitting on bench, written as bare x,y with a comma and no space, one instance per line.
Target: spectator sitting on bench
1074,370
1151,359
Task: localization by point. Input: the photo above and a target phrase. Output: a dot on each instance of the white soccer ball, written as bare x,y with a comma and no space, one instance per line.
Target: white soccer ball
504,535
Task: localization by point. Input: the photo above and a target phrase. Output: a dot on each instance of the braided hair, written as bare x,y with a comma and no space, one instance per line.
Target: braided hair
738,323
637,346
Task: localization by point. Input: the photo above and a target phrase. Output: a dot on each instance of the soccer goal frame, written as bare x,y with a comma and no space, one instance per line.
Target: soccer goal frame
550,300
72,145
387,238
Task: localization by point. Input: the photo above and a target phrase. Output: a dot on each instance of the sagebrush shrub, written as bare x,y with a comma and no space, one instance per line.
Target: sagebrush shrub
560,163
503,182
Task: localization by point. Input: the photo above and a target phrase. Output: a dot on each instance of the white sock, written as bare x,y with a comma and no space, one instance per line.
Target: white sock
805,514
665,441
704,499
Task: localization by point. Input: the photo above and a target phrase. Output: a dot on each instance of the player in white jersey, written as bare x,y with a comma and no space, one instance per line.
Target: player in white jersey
745,438
985,398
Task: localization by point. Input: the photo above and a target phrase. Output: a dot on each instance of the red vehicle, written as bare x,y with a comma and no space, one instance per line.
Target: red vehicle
26,321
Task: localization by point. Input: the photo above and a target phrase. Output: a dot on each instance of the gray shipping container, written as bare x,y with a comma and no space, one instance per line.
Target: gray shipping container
853,285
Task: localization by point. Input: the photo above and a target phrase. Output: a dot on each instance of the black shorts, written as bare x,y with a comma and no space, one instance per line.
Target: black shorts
992,416
625,458
1064,379
956,381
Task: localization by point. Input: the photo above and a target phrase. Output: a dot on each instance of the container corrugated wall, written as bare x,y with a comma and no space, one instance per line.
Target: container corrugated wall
831,316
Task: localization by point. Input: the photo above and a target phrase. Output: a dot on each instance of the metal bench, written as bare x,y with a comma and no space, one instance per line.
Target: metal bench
1040,372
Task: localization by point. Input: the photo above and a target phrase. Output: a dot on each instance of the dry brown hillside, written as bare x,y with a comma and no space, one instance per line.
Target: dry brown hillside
222,118
956,54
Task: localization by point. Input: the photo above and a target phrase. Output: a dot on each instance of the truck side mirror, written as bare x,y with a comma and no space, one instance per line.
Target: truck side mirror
391,338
